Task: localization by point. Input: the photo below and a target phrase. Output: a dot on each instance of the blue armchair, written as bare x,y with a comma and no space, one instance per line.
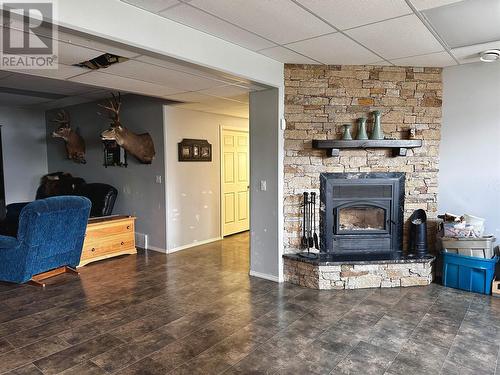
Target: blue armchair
51,234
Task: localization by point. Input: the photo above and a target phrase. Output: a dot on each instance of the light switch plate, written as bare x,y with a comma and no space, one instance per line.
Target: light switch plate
263,185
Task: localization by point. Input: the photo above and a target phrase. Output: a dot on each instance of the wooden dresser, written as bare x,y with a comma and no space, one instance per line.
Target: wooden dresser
108,237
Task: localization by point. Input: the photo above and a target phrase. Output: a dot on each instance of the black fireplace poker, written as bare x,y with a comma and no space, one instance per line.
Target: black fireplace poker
309,235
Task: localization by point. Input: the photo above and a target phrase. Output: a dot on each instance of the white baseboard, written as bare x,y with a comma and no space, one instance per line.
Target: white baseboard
193,244
265,276
157,249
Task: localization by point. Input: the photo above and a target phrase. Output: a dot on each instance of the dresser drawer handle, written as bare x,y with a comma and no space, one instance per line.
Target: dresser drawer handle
122,243
128,226
93,249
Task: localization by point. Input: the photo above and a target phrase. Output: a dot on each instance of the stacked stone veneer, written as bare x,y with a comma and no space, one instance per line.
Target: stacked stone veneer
357,276
319,99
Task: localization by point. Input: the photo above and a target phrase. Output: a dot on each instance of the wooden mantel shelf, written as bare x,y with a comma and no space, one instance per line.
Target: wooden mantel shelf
399,146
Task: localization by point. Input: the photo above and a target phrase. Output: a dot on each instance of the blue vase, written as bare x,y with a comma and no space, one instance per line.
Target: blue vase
362,129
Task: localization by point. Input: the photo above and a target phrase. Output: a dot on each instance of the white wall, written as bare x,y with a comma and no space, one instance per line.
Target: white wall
469,178
193,188
24,152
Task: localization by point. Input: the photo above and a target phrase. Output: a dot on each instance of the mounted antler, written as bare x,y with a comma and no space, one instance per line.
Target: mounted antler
139,145
62,118
115,104
75,145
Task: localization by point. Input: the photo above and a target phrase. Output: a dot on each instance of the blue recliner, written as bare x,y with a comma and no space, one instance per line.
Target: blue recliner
51,234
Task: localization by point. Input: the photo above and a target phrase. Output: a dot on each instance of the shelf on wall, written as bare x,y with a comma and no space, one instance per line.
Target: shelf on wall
399,146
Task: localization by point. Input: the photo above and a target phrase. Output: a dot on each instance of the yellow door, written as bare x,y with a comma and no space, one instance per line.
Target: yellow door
235,185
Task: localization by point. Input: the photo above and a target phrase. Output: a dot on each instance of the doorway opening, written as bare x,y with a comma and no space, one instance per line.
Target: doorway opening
235,180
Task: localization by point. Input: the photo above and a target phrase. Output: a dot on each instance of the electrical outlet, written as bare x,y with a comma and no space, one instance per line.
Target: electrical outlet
158,179
263,185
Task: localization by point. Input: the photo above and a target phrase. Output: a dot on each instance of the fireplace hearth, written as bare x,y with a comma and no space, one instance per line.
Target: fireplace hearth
361,213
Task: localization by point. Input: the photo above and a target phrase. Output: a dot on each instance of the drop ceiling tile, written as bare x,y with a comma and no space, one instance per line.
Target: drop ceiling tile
19,100
285,55
427,4
227,110
397,38
4,73
281,21
62,72
69,54
192,97
65,102
226,91
113,82
244,98
42,84
345,14
189,68
162,76
381,63
479,22
439,59
334,49
152,5
102,46
198,19
471,54
95,94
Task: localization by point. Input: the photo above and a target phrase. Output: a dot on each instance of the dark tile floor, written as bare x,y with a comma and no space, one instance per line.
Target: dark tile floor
198,312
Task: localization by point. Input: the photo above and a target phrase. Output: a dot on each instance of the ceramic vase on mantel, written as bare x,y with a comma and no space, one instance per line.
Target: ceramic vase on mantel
346,135
377,132
362,129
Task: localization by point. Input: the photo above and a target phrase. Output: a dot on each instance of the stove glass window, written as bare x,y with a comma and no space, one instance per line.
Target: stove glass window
361,218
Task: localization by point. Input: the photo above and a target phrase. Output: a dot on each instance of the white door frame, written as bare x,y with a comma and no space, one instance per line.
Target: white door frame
221,173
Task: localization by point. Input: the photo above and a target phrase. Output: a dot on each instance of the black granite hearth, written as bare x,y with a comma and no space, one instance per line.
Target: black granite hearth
332,259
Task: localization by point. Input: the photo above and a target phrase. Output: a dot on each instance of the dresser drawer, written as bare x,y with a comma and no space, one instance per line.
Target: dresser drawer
100,231
98,247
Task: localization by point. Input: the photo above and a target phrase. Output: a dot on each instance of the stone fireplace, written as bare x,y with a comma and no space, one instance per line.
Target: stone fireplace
320,99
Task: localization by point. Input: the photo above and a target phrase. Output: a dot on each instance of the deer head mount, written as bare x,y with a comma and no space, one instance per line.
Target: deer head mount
141,146
75,144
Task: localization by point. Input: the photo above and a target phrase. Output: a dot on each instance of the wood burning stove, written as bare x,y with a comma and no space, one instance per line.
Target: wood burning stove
361,212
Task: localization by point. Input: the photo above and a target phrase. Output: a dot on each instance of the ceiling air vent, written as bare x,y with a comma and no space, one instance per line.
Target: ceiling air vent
101,62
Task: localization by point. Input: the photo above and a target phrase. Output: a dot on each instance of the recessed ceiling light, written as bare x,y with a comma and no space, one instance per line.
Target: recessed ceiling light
490,55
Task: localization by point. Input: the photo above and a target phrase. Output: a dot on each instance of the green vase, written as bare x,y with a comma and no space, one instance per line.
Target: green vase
346,136
377,132
362,129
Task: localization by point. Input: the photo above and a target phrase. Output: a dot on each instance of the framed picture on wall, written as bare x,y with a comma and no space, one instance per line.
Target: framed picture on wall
194,150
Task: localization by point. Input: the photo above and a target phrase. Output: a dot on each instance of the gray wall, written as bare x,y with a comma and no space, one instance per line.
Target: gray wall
193,189
24,152
265,223
139,194
469,178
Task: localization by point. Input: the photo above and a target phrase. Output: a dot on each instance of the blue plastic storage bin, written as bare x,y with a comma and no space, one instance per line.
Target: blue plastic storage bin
468,273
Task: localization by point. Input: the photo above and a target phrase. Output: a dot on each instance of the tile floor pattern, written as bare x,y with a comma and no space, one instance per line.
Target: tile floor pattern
198,312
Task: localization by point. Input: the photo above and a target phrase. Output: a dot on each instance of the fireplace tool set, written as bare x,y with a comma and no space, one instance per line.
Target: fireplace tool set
309,234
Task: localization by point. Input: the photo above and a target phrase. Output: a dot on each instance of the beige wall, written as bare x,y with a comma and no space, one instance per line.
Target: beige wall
319,99
193,188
